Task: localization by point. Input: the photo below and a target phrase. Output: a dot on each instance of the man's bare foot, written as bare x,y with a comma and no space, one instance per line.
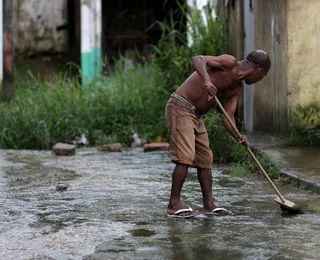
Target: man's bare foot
181,210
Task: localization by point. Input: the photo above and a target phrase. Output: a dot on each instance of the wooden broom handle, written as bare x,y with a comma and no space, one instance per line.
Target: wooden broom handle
249,150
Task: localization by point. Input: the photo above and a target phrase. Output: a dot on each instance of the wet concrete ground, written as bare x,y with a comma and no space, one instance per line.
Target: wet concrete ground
300,164
115,208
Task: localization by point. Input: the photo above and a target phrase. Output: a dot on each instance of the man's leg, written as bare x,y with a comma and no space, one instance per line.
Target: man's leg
178,177
180,123
205,179
203,162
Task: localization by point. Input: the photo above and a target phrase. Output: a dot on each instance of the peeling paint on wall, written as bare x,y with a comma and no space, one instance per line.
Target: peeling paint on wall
1,44
303,53
8,51
90,39
40,25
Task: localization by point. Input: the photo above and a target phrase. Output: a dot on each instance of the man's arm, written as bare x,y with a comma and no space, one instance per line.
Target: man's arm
230,106
200,64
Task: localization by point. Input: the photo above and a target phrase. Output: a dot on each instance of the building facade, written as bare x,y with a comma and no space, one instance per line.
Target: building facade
289,30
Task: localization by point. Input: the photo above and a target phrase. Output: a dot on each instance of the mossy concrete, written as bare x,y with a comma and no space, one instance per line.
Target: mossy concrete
300,164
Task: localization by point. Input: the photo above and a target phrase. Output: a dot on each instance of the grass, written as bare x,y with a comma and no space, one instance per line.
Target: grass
305,126
41,114
238,170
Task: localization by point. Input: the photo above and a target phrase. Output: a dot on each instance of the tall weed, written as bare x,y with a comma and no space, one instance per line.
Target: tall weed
179,43
40,114
305,128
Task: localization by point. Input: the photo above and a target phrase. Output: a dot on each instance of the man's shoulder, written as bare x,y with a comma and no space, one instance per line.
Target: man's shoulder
228,57
228,60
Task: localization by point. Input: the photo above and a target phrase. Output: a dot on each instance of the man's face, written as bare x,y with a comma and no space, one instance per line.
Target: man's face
256,75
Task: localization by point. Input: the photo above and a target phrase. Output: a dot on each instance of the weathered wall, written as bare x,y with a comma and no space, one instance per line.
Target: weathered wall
234,17
289,30
270,94
235,36
303,53
1,44
91,16
41,25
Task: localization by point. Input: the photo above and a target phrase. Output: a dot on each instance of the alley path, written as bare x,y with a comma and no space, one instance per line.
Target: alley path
115,208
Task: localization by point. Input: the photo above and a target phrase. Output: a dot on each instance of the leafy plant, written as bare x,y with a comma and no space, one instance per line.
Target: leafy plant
40,114
305,129
204,35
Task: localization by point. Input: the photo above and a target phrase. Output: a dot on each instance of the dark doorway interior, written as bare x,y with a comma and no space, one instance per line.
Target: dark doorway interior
130,26
74,29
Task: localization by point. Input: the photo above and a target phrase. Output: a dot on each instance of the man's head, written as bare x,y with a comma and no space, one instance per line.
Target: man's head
260,63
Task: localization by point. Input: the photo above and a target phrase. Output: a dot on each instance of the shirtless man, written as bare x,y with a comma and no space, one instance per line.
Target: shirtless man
189,143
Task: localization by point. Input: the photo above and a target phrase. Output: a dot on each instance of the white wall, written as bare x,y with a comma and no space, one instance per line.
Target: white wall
36,25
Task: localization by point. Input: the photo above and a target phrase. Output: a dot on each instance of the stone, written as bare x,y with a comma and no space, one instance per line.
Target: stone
116,147
62,186
64,149
157,146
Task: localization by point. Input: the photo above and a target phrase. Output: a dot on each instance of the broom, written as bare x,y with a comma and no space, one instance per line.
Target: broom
286,206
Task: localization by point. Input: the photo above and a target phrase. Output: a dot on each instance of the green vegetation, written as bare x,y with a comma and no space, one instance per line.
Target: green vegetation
305,129
40,114
207,36
227,150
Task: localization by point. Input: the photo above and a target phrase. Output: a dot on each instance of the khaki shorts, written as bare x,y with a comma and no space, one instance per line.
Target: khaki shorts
189,142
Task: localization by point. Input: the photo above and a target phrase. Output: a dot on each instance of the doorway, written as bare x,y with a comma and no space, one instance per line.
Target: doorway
129,27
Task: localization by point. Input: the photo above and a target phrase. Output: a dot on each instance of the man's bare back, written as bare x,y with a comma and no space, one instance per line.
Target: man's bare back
220,76
225,80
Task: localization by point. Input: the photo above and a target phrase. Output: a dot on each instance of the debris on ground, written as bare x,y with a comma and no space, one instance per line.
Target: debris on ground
157,146
64,149
116,147
137,141
81,141
62,186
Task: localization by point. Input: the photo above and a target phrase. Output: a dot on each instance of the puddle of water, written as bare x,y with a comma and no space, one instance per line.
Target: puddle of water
142,232
115,208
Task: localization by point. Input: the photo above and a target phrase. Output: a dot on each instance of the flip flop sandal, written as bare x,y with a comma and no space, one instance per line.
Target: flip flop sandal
178,213
218,211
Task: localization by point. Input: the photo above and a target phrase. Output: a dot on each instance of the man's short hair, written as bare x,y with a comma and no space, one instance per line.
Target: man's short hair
260,59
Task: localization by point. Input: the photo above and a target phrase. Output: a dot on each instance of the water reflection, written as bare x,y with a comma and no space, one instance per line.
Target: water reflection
196,240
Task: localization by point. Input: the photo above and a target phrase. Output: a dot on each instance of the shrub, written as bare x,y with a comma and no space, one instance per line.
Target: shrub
305,128
41,114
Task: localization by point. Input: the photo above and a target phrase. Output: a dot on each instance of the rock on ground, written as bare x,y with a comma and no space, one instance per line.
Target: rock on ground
158,146
116,147
64,149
